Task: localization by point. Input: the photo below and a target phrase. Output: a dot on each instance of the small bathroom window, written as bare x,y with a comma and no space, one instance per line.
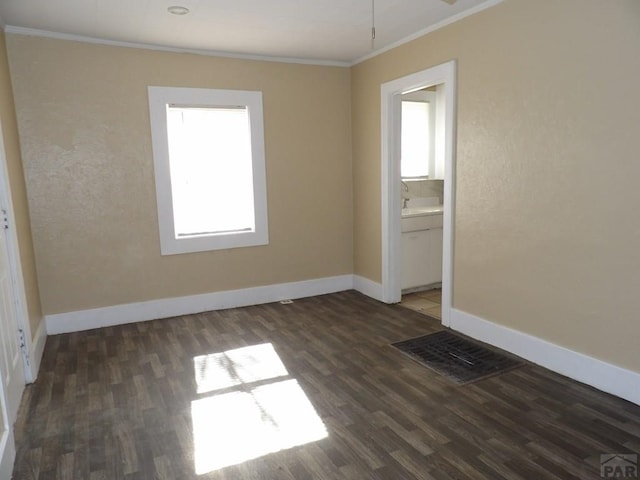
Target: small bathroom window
418,126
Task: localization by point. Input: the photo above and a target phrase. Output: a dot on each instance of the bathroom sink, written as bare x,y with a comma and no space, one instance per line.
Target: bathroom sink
421,218
417,211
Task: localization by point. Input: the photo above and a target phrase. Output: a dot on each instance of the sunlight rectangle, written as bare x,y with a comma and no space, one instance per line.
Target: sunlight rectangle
232,428
217,371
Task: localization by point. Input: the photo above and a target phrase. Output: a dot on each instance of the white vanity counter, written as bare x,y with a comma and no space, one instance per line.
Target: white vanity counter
421,227
418,211
421,218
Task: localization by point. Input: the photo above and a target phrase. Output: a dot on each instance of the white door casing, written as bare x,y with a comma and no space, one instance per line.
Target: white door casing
15,335
445,75
7,446
11,362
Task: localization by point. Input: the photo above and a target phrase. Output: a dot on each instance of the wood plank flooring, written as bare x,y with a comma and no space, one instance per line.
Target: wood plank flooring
117,403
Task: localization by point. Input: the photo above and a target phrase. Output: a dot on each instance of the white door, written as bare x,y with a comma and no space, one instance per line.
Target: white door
11,361
12,375
7,447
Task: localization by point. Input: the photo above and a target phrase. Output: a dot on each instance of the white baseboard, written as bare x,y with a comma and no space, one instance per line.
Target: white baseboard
36,351
597,373
171,307
604,376
368,287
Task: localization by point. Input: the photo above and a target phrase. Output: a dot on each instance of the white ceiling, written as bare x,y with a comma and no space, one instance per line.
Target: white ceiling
315,30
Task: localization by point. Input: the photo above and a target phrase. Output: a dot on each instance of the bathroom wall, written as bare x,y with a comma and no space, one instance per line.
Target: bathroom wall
424,188
84,126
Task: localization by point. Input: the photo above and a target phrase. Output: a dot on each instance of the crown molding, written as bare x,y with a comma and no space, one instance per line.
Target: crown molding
245,56
432,28
163,48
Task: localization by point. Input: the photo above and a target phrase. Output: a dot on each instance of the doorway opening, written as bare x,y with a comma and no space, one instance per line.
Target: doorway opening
442,77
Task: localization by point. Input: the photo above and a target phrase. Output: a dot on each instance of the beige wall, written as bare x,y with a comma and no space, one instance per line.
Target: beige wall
18,192
84,125
547,229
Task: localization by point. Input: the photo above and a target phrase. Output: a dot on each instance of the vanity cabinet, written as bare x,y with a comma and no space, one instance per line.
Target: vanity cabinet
421,257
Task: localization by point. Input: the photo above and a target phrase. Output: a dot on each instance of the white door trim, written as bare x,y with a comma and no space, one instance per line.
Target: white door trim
7,444
13,250
391,248
10,394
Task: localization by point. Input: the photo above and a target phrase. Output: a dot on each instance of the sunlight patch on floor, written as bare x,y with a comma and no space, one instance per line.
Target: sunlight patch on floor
248,421
217,371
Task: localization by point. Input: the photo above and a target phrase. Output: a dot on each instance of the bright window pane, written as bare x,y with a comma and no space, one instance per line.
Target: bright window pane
415,139
211,170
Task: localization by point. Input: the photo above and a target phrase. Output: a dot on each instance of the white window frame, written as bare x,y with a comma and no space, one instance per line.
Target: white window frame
159,99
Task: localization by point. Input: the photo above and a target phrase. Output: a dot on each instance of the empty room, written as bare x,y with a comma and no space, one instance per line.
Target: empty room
296,240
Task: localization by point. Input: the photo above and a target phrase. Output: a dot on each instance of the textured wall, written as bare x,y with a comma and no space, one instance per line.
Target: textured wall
18,192
84,127
546,221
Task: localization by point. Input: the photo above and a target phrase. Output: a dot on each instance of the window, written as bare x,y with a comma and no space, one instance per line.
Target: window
208,150
415,139
417,135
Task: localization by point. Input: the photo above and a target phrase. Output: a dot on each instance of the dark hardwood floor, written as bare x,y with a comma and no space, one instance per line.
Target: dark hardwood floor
319,395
